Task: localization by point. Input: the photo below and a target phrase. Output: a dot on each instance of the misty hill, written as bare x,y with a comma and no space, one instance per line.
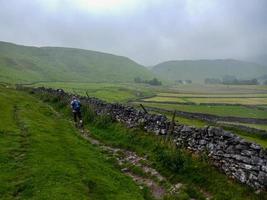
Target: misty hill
27,64
198,70
260,59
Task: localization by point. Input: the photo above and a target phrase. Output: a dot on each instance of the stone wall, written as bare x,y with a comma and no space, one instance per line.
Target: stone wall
239,159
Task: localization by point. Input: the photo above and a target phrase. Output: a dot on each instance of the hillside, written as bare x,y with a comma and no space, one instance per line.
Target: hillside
28,64
42,156
198,70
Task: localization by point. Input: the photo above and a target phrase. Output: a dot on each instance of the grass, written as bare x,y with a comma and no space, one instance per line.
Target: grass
234,111
211,100
256,126
208,95
42,157
176,164
218,89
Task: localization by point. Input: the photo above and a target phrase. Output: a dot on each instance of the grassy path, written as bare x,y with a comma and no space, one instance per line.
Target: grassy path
42,157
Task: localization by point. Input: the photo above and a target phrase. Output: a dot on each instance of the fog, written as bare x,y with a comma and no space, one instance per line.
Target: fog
148,31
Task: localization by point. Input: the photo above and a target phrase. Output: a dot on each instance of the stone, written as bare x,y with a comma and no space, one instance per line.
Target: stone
210,147
255,146
202,142
246,166
247,153
240,175
240,147
186,129
241,158
262,177
163,131
256,160
264,168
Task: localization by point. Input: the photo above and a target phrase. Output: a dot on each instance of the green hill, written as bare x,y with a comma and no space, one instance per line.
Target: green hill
199,70
28,64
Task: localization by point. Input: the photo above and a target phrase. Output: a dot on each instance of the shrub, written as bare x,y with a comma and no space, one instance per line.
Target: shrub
173,160
88,114
103,121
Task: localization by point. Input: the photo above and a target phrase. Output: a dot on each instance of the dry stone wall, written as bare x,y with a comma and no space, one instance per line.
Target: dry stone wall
239,159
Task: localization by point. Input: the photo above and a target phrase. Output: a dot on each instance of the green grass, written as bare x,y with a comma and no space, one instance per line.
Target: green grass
42,156
235,111
198,95
256,126
198,89
211,100
176,164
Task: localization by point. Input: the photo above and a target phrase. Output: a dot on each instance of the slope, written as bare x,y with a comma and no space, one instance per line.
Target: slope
198,70
28,64
41,156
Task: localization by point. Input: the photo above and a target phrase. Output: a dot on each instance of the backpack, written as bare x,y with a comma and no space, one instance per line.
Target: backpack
76,105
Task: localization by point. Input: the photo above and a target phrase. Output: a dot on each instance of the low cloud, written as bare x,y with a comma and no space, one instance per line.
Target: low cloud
146,31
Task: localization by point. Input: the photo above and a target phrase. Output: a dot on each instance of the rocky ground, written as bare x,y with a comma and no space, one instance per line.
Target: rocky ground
140,169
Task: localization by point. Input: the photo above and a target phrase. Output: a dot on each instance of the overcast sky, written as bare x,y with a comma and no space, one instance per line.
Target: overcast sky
148,31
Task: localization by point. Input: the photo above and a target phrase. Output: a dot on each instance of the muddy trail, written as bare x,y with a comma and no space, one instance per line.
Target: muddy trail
139,169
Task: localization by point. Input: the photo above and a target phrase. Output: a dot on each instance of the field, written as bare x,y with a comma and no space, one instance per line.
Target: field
234,111
243,100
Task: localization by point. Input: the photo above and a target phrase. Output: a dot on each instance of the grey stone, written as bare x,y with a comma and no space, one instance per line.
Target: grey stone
262,177
240,147
255,146
240,175
256,160
247,152
264,168
241,158
246,166
202,142
186,129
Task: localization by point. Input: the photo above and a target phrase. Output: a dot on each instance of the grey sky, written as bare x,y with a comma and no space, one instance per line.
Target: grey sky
148,31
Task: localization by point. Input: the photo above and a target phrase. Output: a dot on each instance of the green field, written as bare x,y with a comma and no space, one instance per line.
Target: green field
212,100
42,156
234,111
199,95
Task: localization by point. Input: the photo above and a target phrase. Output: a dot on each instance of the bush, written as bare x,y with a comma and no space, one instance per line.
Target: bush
103,121
173,160
88,114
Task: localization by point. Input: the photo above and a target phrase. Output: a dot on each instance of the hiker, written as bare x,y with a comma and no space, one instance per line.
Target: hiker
76,109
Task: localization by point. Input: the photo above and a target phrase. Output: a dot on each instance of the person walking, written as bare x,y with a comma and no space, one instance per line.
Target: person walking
76,110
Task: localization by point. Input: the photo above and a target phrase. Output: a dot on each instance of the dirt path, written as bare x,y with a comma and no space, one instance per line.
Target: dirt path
139,169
